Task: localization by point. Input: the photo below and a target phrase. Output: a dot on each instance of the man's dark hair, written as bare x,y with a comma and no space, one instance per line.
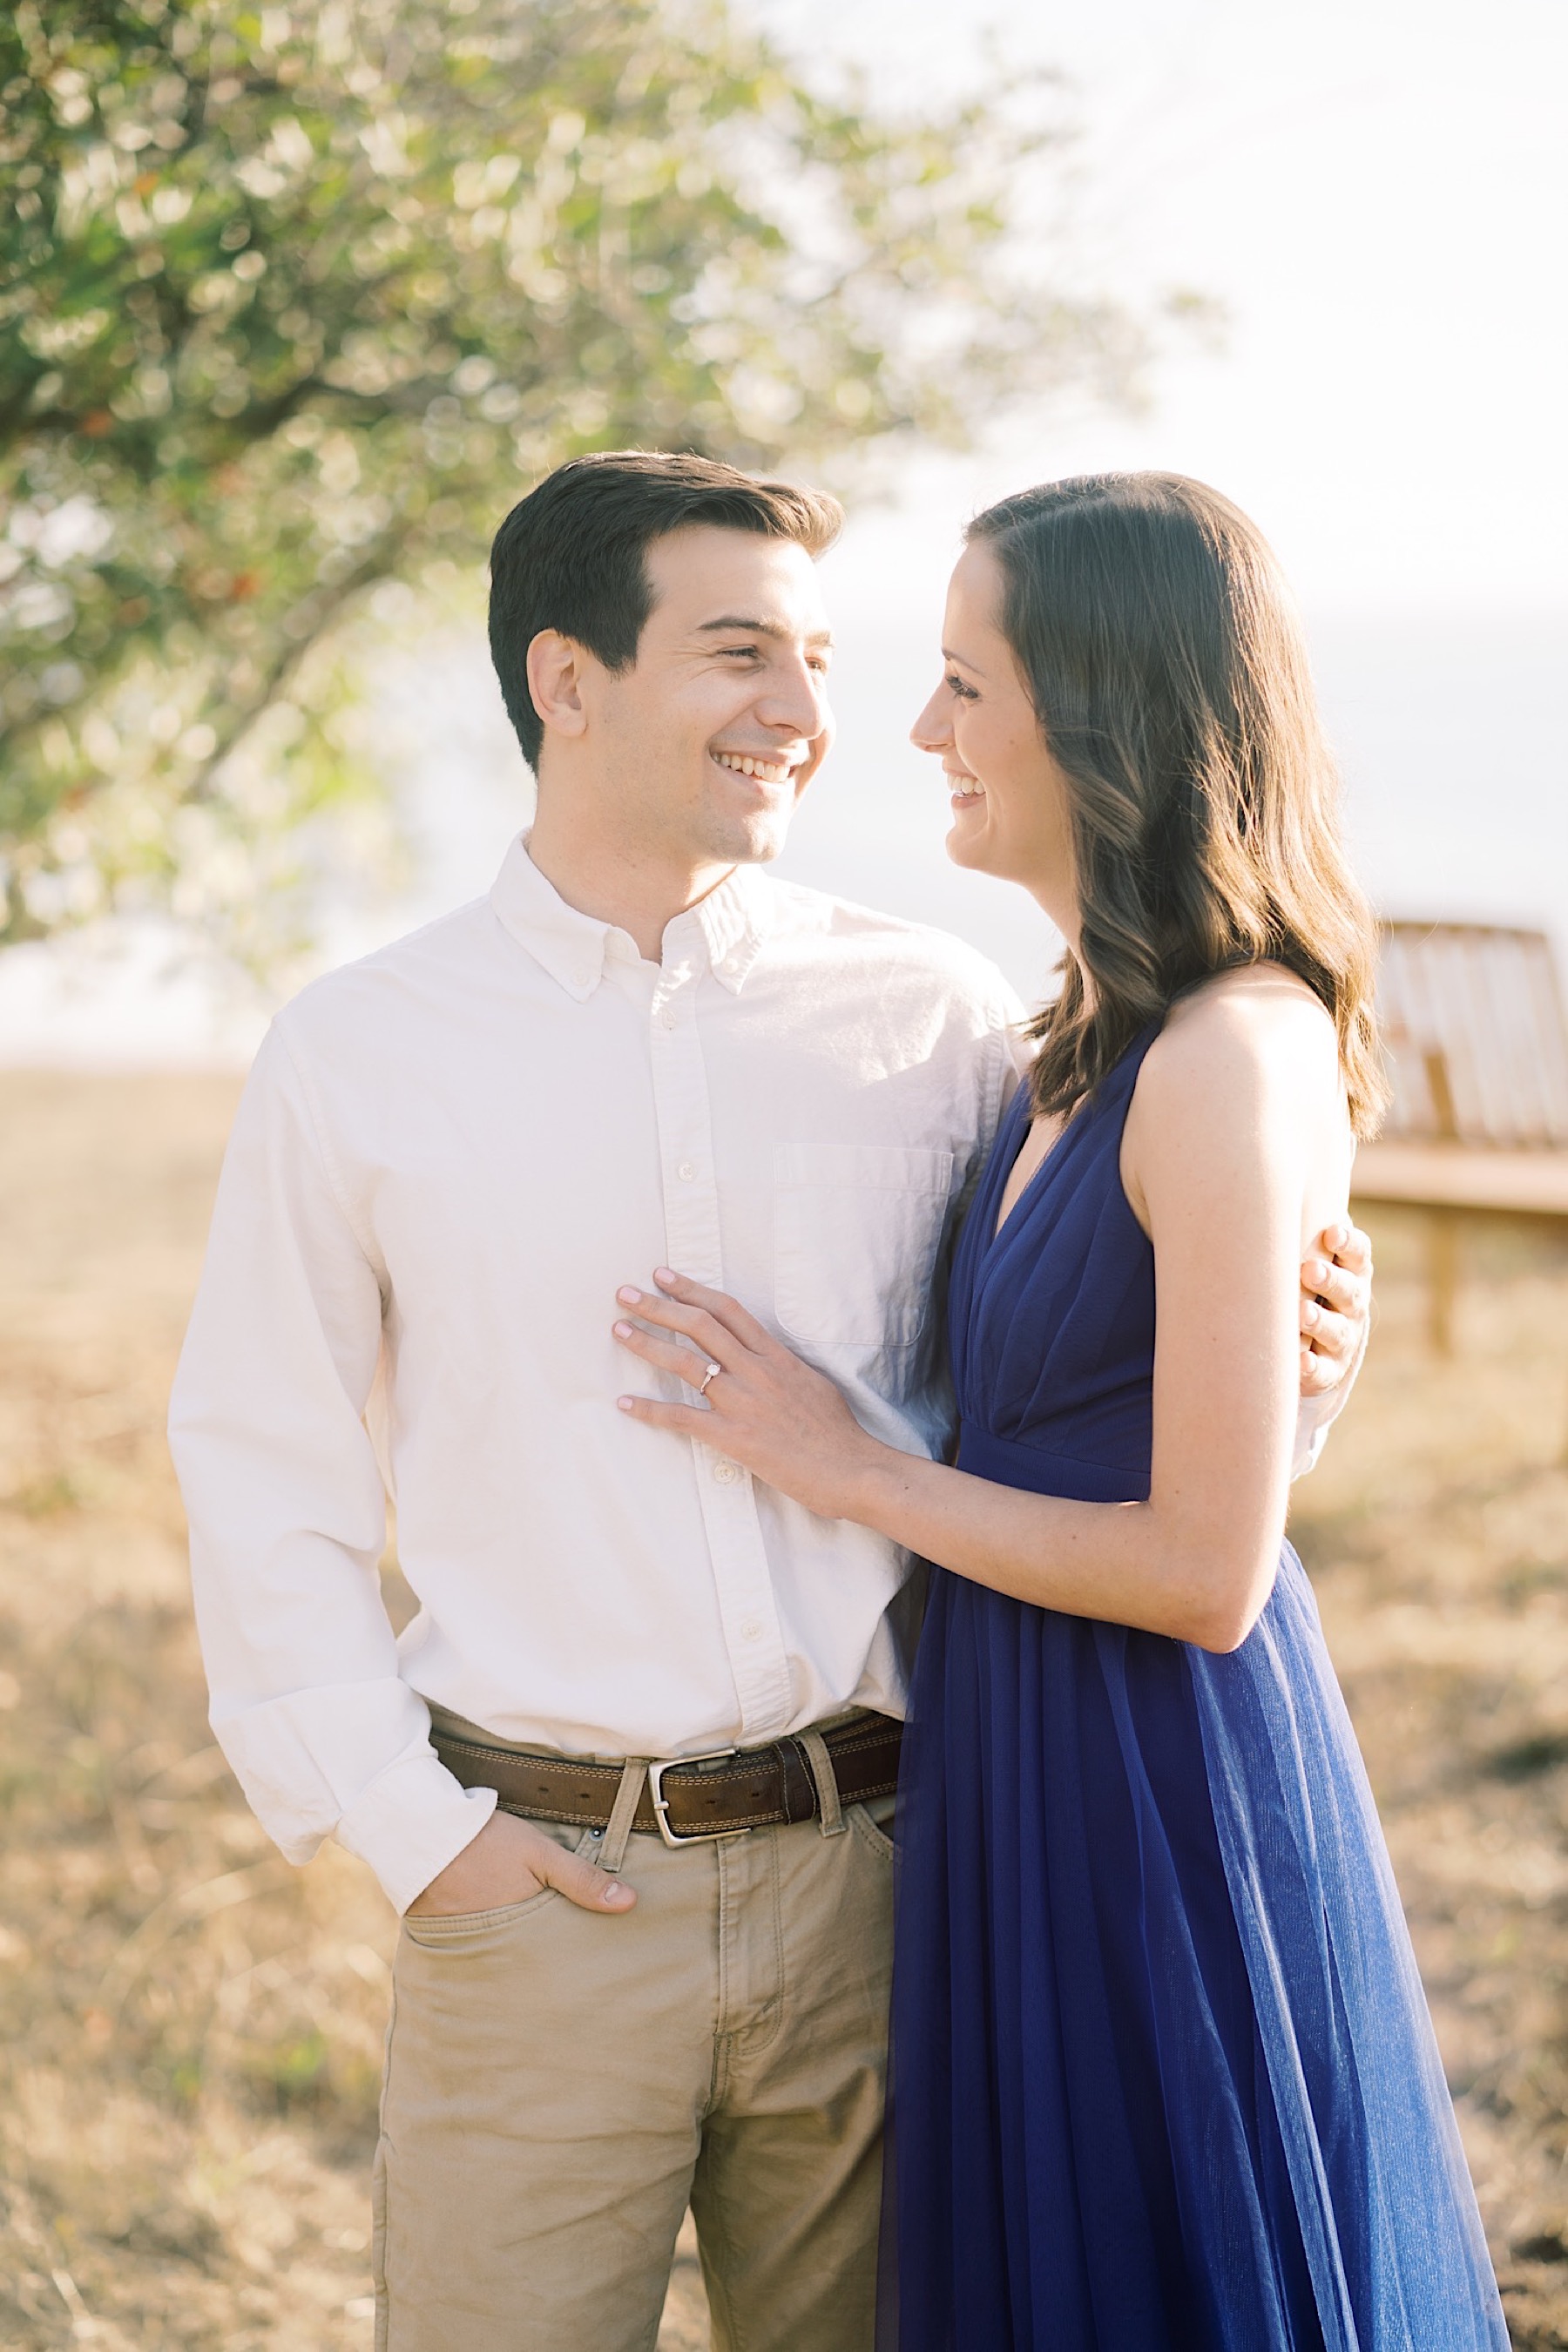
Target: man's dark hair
572,554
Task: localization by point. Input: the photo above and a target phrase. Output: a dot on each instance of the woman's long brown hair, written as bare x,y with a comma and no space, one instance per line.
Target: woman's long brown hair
1167,669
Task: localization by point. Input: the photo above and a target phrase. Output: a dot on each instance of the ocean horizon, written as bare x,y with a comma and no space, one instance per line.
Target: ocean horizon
1448,729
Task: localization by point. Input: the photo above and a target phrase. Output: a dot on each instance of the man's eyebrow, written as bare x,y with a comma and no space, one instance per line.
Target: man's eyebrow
751,624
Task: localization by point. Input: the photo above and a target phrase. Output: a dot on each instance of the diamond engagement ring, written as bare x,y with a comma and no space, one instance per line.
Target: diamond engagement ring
710,1374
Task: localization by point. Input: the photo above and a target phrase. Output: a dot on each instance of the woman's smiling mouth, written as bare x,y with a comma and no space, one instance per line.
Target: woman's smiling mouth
963,785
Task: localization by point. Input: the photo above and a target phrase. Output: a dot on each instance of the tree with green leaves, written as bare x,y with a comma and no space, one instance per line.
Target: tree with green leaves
298,299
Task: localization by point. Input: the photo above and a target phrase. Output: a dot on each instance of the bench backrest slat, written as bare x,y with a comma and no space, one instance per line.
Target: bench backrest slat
1475,1037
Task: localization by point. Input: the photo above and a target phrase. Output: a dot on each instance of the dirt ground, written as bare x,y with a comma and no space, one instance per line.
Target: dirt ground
190,2031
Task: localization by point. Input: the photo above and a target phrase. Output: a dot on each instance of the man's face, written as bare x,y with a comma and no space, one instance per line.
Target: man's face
707,741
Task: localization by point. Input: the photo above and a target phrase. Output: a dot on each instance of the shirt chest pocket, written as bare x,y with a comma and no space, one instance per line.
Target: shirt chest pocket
857,1228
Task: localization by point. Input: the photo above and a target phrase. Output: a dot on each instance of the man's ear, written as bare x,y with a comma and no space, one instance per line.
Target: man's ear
554,682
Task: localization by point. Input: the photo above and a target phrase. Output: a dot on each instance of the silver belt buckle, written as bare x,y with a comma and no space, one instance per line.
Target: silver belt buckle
655,1773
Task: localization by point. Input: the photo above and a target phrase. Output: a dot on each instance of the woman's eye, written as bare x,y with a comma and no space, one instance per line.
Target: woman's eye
956,686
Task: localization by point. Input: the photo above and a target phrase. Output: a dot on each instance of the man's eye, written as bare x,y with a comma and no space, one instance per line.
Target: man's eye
741,653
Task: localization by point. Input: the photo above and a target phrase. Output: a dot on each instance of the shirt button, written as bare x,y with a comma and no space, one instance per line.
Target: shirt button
726,1472
667,1019
686,1171
751,1630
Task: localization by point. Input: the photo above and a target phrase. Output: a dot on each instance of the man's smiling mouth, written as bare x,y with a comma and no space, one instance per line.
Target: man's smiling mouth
747,763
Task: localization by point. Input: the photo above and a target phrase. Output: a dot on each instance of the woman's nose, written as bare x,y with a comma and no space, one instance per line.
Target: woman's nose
932,730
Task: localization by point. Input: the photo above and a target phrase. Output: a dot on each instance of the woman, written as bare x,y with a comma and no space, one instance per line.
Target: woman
1164,2074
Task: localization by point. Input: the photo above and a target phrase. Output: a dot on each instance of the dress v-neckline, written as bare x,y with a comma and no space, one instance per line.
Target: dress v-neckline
1076,1118
1005,1215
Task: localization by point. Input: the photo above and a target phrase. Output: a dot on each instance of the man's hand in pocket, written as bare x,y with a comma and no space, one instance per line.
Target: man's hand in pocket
510,1860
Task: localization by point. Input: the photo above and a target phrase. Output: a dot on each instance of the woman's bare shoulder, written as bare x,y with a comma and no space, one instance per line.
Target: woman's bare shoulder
1241,1087
1243,1034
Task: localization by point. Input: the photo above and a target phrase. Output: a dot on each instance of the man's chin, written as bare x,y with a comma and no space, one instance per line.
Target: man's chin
752,840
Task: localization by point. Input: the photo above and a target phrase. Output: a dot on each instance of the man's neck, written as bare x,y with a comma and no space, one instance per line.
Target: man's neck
639,892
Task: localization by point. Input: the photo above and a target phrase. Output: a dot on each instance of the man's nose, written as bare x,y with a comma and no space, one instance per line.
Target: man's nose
797,703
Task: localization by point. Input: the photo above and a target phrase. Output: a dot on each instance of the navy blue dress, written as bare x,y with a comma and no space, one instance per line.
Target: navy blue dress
1164,2076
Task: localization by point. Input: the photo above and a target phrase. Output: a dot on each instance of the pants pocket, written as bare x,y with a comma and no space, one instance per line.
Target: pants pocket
873,1823
446,1931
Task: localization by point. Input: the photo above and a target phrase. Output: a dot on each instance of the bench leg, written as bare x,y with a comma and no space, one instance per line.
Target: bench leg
1442,1279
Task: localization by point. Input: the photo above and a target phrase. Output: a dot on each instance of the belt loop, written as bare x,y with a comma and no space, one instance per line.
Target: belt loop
618,1829
826,1781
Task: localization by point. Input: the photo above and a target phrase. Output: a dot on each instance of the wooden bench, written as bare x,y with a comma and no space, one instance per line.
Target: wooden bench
1477,1044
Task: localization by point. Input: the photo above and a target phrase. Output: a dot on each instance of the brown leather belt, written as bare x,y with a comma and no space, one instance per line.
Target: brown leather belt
697,1797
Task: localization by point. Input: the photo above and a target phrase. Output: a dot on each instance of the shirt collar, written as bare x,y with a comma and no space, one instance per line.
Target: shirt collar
723,931
726,929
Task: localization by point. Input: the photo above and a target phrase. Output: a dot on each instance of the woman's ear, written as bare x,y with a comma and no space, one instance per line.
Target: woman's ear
554,682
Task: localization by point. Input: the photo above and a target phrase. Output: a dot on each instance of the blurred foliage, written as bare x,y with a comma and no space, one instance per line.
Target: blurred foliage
295,301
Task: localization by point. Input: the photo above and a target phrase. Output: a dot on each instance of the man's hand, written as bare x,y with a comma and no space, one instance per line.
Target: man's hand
510,1860
1336,1298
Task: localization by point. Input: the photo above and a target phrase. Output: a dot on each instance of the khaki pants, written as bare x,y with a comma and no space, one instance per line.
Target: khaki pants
560,2084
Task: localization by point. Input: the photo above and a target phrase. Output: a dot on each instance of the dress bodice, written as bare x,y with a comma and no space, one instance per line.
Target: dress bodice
1053,1317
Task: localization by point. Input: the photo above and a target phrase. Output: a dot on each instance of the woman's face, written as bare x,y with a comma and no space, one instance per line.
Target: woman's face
1011,808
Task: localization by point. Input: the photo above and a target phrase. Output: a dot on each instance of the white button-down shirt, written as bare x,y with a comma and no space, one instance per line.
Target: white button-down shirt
448,1159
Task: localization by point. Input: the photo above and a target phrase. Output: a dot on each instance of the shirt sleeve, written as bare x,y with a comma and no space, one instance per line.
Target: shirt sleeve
1319,1413
288,1511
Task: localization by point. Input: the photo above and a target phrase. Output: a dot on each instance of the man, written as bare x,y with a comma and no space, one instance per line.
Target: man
632,1984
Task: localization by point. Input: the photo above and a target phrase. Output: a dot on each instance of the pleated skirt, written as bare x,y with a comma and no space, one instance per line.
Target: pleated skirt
1163,2078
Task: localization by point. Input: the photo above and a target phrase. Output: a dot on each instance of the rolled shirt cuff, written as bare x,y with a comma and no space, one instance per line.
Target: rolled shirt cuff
1309,1444
412,1821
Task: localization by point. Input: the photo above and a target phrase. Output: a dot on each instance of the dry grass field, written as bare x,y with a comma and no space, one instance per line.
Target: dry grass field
190,2031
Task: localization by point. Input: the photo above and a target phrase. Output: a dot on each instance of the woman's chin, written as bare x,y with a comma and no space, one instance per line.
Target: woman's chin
966,844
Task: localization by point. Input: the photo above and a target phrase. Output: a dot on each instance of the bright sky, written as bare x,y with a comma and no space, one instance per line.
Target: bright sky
1377,190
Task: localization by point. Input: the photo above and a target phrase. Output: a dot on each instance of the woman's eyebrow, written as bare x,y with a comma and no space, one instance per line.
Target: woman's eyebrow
950,654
